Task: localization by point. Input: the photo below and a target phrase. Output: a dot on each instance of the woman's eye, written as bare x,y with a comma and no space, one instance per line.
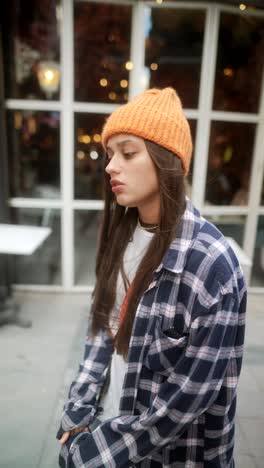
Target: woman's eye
129,153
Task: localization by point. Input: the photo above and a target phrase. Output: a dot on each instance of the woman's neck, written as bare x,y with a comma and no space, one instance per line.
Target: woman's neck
149,215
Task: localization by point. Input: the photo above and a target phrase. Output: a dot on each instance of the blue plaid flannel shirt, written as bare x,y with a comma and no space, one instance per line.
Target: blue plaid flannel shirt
179,394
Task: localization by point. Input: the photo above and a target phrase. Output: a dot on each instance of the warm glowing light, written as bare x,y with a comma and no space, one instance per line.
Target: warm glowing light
49,76
80,155
228,71
18,120
112,96
228,153
86,139
129,65
103,82
32,125
154,66
159,1
124,83
242,6
97,138
94,155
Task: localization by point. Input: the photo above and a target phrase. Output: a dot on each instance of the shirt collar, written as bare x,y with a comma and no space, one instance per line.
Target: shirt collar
175,258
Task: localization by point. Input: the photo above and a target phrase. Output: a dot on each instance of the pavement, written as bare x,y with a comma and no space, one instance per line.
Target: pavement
39,363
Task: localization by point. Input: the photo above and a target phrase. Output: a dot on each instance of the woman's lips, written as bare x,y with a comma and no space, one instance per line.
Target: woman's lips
117,188
116,185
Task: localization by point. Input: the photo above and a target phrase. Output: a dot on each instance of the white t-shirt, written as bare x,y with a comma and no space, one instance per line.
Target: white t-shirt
132,257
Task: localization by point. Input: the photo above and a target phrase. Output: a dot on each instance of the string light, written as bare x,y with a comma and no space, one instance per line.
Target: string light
242,6
228,72
80,155
94,155
97,138
112,96
129,65
103,82
154,66
86,139
159,1
124,83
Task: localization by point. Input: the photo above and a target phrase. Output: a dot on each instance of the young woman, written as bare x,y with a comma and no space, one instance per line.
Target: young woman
157,385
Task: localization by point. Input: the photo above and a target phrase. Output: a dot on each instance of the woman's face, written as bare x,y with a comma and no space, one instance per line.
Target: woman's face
130,164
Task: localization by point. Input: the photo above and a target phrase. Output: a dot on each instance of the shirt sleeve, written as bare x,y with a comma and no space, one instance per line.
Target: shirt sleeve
216,336
81,406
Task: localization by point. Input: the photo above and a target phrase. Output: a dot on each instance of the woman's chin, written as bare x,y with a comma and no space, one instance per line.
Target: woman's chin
125,202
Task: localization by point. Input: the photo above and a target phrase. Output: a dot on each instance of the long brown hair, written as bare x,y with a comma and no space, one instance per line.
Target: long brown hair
118,225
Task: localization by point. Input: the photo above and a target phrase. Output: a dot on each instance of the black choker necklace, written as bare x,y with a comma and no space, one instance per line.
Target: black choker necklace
147,227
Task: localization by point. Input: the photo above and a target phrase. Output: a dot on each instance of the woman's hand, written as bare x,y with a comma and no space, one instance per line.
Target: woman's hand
65,436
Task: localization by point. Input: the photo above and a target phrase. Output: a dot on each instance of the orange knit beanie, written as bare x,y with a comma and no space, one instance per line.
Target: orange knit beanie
155,115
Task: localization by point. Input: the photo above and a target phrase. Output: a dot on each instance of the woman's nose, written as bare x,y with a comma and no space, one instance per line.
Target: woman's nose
113,166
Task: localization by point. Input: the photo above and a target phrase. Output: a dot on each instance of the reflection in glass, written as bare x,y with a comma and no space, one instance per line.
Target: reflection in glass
240,61
230,225
89,156
33,154
229,163
101,51
86,225
174,41
257,278
44,265
31,43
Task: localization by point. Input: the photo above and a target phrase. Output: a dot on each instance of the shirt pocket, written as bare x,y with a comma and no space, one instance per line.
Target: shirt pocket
166,349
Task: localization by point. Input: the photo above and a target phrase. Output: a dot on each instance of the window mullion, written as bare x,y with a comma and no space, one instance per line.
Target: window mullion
137,51
205,104
256,181
67,143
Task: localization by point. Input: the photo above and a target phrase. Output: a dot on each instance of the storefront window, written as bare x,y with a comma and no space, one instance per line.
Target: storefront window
174,42
101,51
257,278
89,156
240,61
86,227
229,163
44,265
33,154
31,44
